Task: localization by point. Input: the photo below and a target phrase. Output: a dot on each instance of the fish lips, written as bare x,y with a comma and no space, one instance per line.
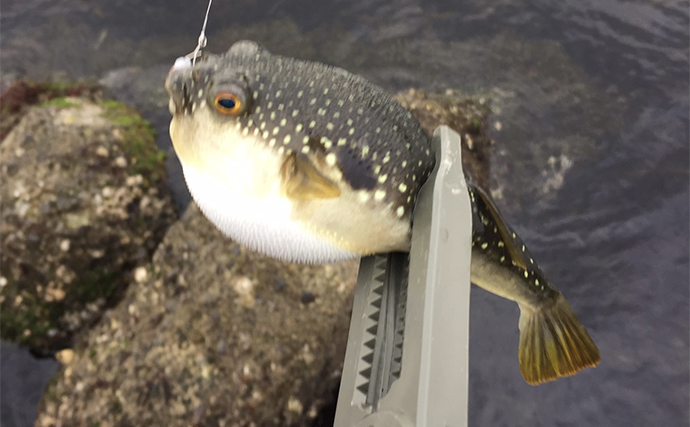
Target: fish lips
186,83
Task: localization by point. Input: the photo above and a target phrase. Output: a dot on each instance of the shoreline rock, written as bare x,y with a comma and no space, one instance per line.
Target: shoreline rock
214,334
83,201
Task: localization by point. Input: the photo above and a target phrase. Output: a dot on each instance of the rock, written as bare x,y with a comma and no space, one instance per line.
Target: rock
19,95
74,221
209,339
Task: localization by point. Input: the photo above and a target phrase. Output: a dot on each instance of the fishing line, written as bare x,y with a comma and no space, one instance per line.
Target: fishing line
201,43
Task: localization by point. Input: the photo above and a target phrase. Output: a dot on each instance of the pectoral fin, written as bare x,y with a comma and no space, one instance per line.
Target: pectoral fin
302,181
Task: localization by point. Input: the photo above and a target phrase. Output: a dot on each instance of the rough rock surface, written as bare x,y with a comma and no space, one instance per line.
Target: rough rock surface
213,334
83,201
216,335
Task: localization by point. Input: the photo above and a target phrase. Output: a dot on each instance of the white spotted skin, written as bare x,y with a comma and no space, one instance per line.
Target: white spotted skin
501,280
235,180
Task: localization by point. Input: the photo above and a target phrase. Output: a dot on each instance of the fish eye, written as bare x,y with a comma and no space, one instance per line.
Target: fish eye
229,103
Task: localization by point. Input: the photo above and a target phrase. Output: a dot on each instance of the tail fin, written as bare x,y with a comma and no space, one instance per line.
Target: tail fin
553,343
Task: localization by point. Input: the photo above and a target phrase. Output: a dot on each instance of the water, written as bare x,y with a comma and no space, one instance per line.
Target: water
591,164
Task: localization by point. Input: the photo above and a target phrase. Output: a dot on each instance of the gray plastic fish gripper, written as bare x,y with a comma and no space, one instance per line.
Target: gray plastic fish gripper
407,358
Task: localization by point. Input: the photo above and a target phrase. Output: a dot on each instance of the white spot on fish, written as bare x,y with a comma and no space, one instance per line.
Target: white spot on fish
286,140
299,127
305,149
383,178
402,188
331,159
400,211
379,195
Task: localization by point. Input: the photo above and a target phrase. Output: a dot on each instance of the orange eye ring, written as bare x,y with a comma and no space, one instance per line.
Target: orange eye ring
228,103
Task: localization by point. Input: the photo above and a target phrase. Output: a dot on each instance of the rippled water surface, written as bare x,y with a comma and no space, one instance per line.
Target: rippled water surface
590,162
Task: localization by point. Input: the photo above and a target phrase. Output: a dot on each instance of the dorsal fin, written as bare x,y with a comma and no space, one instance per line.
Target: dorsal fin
513,251
303,181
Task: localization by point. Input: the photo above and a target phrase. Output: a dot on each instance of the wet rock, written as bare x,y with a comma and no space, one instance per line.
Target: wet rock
205,339
74,220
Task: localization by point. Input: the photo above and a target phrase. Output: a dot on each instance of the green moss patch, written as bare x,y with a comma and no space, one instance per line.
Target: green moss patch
139,141
60,103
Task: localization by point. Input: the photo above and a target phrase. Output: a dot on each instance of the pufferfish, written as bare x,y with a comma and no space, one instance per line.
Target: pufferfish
307,162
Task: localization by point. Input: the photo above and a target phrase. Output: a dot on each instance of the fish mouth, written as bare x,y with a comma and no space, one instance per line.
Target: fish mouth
187,86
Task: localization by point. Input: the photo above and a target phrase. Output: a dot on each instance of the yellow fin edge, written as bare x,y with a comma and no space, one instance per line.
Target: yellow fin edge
553,343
